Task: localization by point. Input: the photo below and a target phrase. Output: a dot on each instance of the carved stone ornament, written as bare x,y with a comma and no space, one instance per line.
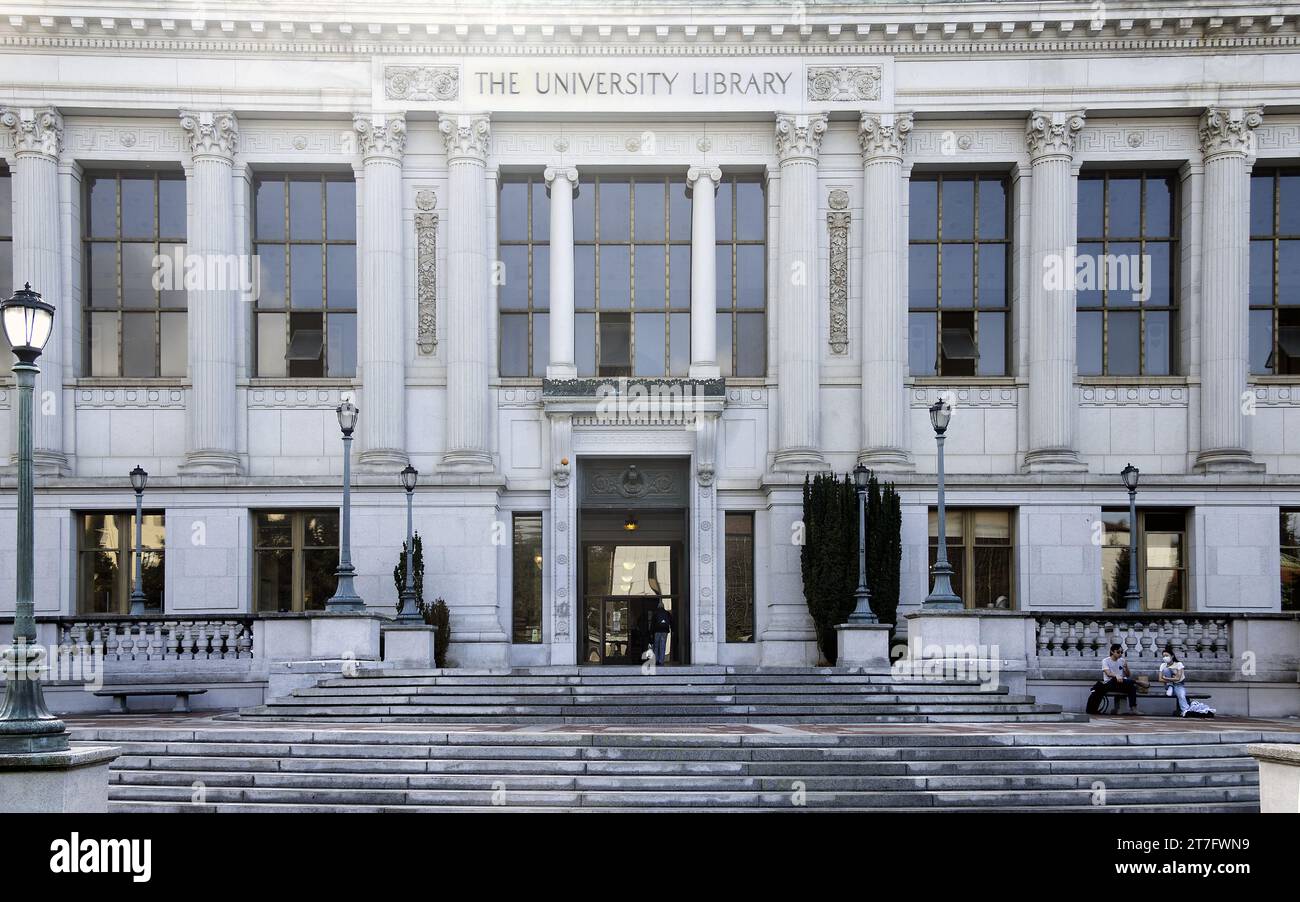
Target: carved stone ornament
843,83
421,83
426,270
211,134
884,134
466,136
837,225
1053,133
38,130
381,135
799,137
1226,130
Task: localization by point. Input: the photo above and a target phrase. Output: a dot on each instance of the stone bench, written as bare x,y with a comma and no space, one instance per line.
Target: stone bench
1120,693
120,696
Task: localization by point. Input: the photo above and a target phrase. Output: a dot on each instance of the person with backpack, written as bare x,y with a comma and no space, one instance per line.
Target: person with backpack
661,626
1115,675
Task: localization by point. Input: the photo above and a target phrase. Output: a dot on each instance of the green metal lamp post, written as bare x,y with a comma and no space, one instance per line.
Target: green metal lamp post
941,597
1132,595
139,478
345,598
410,610
26,725
862,612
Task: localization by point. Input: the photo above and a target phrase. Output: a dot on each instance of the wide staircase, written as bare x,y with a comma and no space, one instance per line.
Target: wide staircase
237,767
626,695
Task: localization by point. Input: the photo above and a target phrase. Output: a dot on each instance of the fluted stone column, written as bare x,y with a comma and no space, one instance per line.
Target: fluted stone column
468,308
561,181
798,140
381,359
1051,138
37,138
213,318
702,182
884,308
1225,269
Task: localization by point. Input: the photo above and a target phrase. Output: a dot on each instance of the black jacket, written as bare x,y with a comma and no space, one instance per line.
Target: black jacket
662,622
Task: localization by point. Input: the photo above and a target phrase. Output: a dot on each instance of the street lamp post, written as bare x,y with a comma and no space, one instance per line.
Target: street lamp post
410,611
26,725
942,597
345,598
862,612
1132,595
139,478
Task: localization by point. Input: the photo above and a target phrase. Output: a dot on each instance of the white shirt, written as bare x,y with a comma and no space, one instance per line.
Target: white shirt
1111,668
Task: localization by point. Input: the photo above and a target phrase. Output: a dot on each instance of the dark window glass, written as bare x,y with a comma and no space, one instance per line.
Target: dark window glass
1290,542
1275,272
739,576
295,557
1162,557
6,235
982,554
1127,274
107,562
523,235
958,258
304,229
134,274
526,569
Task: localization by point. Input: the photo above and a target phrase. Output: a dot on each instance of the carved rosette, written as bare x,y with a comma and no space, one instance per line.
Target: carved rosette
381,135
1051,134
843,83
466,137
837,224
883,134
421,83
799,137
695,173
211,133
1229,131
426,270
35,131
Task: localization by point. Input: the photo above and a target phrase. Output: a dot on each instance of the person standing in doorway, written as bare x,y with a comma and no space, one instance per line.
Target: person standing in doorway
661,626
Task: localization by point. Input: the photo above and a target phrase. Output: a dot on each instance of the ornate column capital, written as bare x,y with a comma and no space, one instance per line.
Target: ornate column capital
211,133
1053,133
568,173
695,173
1229,130
883,134
36,130
381,135
799,137
466,136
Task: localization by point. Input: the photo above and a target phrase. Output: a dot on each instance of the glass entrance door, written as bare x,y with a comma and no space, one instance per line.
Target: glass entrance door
623,584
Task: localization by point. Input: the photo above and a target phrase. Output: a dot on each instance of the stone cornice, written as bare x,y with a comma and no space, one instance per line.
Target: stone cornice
1229,131
381,135
211,133
883,134
1053,133
466,136
36,130
799,137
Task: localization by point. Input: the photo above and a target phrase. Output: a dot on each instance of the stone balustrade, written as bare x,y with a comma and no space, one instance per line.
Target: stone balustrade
160,639
1195,637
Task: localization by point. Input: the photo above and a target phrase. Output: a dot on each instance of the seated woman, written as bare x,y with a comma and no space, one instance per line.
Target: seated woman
1174,676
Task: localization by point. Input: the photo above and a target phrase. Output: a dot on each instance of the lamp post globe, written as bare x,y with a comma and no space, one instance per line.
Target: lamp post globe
1133,594
862,612
410,609
941,597
345,598
26,724
139,479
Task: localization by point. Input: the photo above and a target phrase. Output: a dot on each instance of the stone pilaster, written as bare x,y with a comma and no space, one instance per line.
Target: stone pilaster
883,138
702,182
213,319
38,138
561,181
468,302
380,354
1226,136
798,141
1051,138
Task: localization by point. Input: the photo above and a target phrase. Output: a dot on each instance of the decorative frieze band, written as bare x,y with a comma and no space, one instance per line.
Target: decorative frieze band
426,270
1053,133
843,83
34,130
421,83
1133,395
884,134
211,133
799,136
1226,130
466,136
381,135
837,224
